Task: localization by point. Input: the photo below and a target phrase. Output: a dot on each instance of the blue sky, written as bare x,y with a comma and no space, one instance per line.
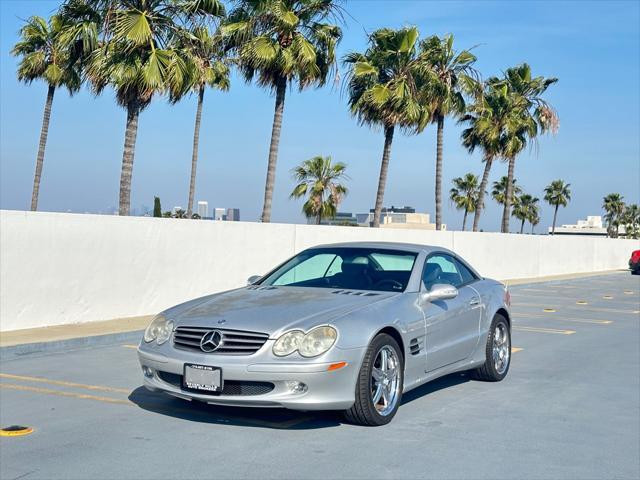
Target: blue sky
592,47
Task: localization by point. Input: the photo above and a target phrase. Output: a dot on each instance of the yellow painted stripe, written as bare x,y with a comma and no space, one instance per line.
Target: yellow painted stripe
64,384
135,347
60,393
563,318
581,308
545,330
516,349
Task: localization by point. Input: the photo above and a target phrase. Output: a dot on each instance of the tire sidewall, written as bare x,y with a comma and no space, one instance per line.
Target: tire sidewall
497,320
376,345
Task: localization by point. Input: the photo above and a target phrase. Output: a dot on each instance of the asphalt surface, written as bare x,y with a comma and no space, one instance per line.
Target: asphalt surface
569,408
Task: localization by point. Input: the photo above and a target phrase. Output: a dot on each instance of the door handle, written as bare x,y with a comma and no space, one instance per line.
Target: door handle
474,302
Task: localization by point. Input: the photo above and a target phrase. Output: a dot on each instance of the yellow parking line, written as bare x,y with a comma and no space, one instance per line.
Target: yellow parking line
516,349
545,330
48,391
64,384
563,318
581,308
135,347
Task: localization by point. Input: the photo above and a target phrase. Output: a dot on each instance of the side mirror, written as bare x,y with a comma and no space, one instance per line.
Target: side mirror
440,291
253,279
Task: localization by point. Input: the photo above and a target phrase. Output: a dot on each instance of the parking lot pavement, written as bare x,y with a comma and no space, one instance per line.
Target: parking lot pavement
569,408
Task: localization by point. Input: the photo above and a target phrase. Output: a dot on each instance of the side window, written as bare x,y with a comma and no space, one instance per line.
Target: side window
441,268
465,273
309,269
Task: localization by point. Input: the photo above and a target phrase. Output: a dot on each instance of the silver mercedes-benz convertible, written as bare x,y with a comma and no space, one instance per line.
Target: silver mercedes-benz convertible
349,326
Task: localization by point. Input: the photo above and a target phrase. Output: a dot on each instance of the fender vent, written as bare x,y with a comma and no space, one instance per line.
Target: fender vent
415,346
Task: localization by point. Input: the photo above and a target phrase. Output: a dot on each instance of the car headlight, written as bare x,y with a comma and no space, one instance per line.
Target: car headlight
159,330
312,344
288,343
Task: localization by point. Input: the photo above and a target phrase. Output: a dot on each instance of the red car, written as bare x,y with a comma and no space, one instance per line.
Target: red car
634,262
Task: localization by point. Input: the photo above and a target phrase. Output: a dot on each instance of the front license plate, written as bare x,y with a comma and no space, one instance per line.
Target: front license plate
202,377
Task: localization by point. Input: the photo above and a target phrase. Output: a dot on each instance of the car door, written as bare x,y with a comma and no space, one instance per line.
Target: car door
453,324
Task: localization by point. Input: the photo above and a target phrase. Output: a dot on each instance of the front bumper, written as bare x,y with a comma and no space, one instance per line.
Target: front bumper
326,390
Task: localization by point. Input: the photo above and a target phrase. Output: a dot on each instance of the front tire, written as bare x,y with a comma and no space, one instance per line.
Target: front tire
379,384
497,352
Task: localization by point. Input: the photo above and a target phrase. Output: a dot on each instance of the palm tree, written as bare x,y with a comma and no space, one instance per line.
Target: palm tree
448,76
491,118
535,115
613,205
319,179
631,221
382,92
206,68
465,195
557,194
500,187
534,218
44,56
525,208
136,58
281,42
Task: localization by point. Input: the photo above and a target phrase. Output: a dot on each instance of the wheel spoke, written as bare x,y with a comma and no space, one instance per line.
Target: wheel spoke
384,360
377,374
386,395
378,394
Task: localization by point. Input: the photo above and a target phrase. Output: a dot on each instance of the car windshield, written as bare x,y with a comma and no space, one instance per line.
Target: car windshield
348,268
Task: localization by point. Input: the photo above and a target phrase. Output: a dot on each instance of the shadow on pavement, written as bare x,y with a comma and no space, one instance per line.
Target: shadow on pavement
435,385
276,418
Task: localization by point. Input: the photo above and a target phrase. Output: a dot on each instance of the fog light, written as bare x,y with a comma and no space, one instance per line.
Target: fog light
148,372
296,387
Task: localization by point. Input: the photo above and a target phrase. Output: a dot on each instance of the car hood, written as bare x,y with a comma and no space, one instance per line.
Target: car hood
272,310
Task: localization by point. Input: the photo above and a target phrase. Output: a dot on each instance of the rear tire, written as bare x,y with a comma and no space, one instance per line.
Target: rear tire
497,352
378,379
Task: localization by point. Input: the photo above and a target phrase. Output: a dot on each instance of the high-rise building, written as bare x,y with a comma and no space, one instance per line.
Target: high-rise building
219,214
203,208
233,214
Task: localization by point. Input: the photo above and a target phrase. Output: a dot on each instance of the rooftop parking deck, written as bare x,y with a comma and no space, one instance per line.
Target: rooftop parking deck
569,408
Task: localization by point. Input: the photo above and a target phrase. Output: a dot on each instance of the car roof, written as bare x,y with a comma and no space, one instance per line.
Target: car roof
408,247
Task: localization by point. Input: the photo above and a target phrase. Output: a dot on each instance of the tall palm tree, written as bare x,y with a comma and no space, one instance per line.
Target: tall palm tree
534,218
557,194
282,42
45,56
491,118
631,221
465,194
206,68
319,179
448,76
135,57
498,192
382,90
525,208
536,117
613,205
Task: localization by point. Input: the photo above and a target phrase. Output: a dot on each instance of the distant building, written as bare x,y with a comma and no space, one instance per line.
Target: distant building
233,214
591,226
203,209
219,214
395,217
341,218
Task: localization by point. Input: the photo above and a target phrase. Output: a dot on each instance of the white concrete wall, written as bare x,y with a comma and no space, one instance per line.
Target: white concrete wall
58,268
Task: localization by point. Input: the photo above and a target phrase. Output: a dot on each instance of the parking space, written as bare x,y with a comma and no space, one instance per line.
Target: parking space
568,409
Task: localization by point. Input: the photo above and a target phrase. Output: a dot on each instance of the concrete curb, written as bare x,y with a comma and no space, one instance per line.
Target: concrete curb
57,346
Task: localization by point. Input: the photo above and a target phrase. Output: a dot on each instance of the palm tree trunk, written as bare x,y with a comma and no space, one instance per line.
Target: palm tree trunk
382,180
133,110
44,132
507,197
281,90
553,228
464,219
483,187
194,155
318,219
522,227
532,228
439,173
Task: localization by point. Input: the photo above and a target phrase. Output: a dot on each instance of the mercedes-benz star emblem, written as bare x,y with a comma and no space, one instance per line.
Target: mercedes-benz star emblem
211,341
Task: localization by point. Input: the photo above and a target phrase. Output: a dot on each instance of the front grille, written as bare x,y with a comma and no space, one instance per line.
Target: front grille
230,387
234,342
